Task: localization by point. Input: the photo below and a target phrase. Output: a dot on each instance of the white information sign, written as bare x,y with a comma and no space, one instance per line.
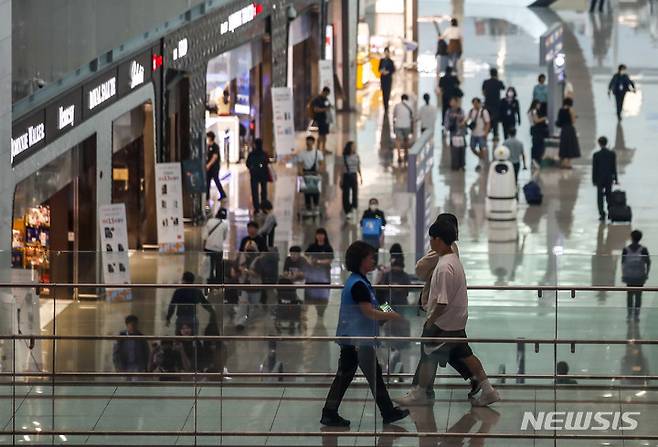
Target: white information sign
284,120
114,249
326,70
169,207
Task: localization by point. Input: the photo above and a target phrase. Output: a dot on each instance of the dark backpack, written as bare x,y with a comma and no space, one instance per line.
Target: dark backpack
634,267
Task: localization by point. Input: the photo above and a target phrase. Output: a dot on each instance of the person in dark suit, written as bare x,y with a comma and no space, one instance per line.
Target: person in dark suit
386,70
620,84
604,173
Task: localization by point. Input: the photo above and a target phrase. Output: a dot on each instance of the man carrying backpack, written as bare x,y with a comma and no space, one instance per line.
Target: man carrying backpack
635,266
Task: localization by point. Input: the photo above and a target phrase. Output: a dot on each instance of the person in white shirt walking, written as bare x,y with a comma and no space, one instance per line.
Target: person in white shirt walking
214,234
479,121
453,36
403,119
427,115
447,314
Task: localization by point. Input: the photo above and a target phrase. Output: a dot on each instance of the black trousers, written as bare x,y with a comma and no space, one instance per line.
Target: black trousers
350,192
311,199
455,362
634,299
216,258
386,83
517,168
495,118
365,358
258,192
506,128
214,176
601,192
592,5
619,100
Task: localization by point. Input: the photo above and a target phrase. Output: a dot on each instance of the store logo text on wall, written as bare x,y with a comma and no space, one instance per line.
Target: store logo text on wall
239,18
181,49
65,116
102,93
33,135
136,74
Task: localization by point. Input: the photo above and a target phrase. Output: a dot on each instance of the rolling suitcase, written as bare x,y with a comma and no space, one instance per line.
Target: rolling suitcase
620,213
532,193
618,198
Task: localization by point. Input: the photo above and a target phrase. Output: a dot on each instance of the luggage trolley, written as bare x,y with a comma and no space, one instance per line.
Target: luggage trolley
309,184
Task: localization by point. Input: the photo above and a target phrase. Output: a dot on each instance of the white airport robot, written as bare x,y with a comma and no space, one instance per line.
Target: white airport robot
501,200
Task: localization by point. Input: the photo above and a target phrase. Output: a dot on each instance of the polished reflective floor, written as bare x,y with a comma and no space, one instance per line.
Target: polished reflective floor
560,242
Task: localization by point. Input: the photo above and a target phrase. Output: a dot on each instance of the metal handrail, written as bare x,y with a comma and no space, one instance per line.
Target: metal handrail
329,338
335,433
538,288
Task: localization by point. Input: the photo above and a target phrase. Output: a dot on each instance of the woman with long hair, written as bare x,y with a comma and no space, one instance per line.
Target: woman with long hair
538,131
350,179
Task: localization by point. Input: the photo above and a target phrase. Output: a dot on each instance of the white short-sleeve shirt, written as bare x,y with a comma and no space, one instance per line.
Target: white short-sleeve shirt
448,286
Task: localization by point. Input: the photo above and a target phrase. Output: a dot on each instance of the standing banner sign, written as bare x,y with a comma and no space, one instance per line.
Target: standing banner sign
169,206
284,120
326,70
114,249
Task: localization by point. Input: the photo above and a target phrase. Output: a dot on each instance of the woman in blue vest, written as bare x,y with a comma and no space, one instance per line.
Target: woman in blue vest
359,316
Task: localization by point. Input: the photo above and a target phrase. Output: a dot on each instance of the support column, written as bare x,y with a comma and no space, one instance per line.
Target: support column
345,30
7,302
411,28
6,180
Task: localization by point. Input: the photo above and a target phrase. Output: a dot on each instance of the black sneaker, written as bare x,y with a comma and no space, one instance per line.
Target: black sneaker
333,420
395,415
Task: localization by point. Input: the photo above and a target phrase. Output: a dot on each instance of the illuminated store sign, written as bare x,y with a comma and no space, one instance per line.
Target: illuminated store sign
28,134
136,74
65,117
33,136
241,17
102,93
181,49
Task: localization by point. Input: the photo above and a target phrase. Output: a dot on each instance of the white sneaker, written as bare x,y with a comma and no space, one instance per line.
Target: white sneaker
416,396
486,398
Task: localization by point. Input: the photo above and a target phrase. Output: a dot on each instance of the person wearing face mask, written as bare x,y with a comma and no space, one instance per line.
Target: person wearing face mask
373,222
510,112
620,84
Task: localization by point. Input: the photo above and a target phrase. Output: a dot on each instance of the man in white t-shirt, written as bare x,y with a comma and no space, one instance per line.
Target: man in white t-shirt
447,314
479,121
403,119
310,162
214,233
427,115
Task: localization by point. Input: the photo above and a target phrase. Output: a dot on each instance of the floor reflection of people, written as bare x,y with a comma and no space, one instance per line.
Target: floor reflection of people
505,251
425,421
604,264
634,362
477,212
624,154
386,143
601,35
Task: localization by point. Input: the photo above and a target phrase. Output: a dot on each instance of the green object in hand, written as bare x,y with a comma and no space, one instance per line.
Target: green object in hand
386,308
